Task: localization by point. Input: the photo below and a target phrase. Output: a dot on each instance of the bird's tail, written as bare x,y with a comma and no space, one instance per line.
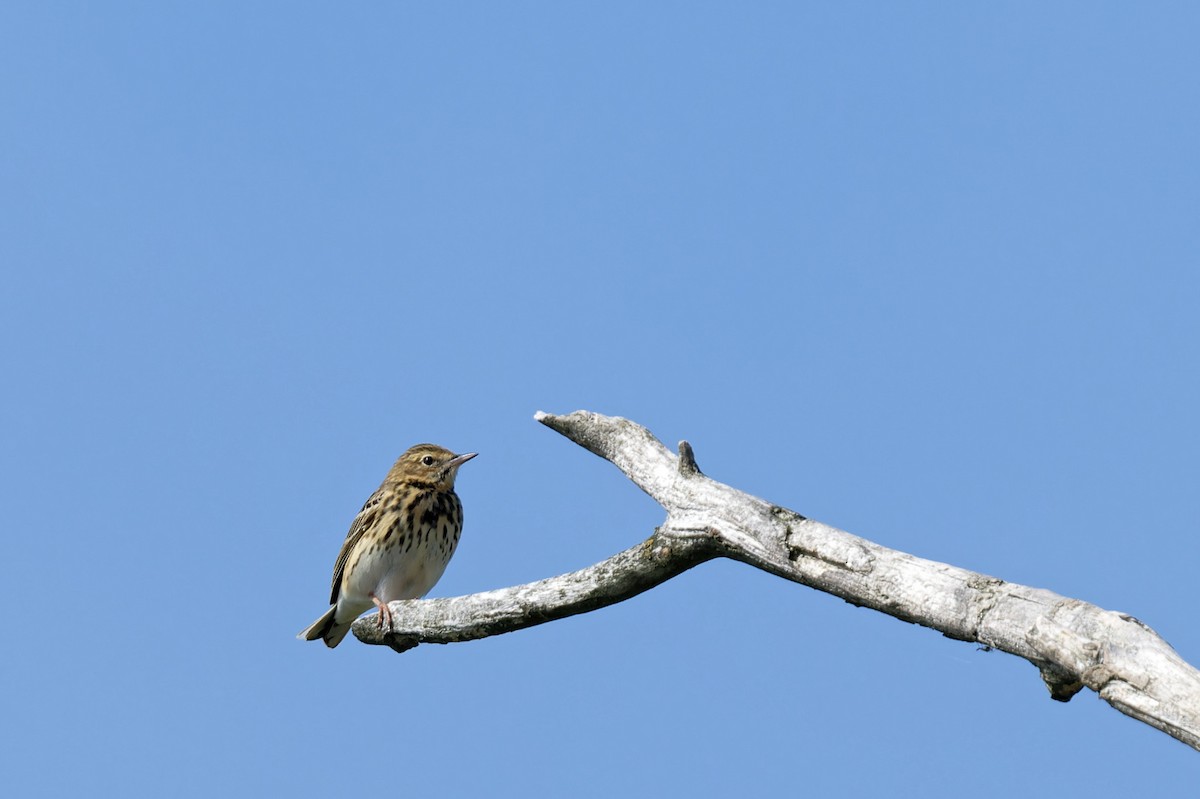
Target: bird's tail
327,629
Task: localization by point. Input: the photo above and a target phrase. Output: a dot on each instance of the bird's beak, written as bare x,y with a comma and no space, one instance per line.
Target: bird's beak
459,460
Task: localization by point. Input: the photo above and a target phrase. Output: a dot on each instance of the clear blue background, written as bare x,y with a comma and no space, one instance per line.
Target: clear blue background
926,272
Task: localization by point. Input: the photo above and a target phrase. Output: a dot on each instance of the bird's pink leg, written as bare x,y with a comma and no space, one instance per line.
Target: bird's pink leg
385,613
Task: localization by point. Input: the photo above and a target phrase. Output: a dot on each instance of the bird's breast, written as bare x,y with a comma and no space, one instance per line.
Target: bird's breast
418,535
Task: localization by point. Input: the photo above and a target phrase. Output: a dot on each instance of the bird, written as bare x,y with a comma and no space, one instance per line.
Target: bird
398,544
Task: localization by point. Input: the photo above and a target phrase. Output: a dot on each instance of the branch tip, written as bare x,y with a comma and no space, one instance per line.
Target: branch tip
554,421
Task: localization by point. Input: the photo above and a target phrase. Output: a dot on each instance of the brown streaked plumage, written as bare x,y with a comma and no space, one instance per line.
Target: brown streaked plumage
399,543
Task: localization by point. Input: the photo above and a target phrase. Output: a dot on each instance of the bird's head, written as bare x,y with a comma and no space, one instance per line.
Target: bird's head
429,463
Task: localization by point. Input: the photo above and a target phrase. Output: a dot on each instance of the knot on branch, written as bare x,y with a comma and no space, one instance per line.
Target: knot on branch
1061,684
687,460
401,643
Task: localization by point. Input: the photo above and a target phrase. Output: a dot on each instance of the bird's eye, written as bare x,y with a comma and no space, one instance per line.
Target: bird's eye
427,460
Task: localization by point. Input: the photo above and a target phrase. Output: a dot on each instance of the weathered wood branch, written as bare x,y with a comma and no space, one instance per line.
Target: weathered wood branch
1074,644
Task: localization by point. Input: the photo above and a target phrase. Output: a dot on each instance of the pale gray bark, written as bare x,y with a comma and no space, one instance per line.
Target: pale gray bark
1074,644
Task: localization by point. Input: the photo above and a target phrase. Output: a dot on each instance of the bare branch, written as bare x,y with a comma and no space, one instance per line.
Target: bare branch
1073,644
626,574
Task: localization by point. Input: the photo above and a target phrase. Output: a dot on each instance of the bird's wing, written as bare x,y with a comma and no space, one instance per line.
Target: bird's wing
362,522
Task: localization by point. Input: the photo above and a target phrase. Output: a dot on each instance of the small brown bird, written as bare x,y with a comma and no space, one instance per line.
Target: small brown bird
399,543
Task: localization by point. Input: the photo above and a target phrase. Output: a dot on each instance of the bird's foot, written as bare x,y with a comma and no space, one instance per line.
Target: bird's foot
384,620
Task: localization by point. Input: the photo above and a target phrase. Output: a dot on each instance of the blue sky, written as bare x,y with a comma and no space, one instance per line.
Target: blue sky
926,272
